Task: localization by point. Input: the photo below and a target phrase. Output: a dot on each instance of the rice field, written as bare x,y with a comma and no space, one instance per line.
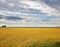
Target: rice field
29,37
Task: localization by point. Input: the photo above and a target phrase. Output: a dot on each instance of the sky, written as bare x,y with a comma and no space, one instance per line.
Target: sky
30,13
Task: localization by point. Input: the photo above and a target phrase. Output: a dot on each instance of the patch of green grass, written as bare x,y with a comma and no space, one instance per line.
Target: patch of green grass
57,44
44,44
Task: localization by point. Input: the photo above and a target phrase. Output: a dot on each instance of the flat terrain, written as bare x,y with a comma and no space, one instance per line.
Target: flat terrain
29,37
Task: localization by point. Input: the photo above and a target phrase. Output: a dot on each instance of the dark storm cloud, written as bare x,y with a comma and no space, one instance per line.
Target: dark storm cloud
13,18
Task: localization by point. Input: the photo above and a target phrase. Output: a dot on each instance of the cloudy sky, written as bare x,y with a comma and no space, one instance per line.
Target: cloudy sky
30,13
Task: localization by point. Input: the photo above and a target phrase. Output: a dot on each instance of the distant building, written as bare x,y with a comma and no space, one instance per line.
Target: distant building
3,26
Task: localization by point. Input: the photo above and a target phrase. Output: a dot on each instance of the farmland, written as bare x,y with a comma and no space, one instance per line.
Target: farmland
29,37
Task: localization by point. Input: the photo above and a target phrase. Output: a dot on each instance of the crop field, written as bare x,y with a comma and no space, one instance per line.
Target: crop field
29,37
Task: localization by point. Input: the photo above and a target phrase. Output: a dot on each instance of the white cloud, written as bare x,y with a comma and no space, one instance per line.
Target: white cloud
42,6
3,1
17,4
28,9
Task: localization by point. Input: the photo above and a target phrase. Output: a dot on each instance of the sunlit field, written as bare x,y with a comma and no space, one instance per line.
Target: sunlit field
29,37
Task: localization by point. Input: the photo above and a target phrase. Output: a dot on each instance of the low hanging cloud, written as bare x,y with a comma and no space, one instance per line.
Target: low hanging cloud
1,16
22,21
13,18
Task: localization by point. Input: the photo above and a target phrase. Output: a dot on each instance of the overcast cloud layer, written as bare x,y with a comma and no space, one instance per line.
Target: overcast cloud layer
30,13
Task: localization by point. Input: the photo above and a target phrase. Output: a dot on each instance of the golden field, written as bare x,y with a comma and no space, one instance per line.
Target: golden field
29,37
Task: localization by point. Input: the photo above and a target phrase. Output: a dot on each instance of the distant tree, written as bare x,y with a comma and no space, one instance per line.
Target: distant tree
3,25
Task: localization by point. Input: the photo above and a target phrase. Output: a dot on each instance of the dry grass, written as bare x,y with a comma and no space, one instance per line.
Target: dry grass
29,37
